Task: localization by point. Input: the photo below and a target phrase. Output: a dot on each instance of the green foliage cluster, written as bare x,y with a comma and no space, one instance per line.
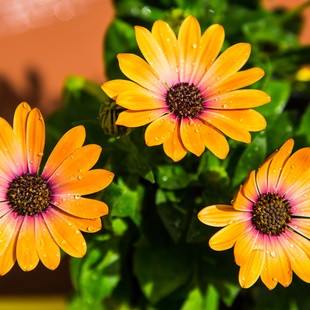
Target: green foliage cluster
152,252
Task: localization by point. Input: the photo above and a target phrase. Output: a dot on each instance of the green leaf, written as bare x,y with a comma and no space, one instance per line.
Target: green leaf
194,300
124,201
279,91
173,177
284,122
161,269
251,158
174,215
119,38
303,129
98,273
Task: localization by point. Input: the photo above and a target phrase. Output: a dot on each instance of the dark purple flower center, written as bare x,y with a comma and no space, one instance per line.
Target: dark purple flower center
28,194
184,100
271,214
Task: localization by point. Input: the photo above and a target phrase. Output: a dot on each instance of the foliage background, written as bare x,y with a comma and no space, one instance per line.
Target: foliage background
152,252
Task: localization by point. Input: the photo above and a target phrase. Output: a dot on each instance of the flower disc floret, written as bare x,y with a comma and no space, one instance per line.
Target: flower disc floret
185,100
28,194
271,214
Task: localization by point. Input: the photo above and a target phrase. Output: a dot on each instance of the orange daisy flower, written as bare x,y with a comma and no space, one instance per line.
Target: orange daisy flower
189,97
269,220
43,212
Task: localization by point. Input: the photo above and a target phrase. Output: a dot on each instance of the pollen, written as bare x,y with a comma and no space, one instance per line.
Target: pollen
185,100
28,194
271,214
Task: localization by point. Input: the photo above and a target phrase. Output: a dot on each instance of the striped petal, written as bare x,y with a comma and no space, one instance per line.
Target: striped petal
167,40
221,215
65,233
19,126
228,126
8,257
276,165
235,81
116,87
139,118
26,250
241,202
173,146
211,43
189,43
227,237
69,142
11,160
191,135
250,189
295,174
140,100
35,140
238,99
138,70
297,248
75,164
252,267
81,207
48,250
214,141
228,63
160,130
85,183
153,53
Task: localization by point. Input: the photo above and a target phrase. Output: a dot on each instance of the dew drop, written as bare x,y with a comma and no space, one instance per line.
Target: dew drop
44,255
194,45
156,138
196,130
77,232
40,154
225,106
275,279
64,199
63,242
80,177
292,245
90,229
293,166
272,254
110,176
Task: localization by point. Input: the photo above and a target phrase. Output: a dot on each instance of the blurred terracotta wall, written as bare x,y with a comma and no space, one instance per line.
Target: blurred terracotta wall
36,56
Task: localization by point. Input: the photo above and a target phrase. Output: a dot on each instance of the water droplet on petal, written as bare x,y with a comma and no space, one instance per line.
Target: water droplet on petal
63,242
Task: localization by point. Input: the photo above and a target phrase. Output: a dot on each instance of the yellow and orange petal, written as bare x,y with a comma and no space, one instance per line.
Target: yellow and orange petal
192,60
32,237
272,257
